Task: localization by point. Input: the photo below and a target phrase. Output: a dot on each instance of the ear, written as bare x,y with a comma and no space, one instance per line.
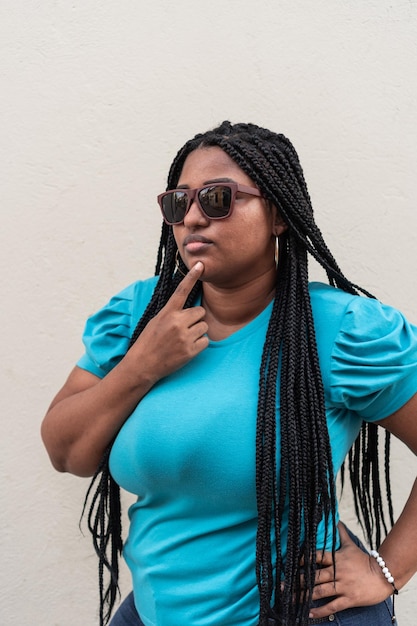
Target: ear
279,225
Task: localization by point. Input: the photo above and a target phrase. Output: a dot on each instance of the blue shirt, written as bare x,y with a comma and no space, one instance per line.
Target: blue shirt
188,449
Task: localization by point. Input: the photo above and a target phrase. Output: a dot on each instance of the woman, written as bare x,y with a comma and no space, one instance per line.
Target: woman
228,391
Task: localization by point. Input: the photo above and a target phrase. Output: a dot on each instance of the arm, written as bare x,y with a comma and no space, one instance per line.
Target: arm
400,545
88,411
359,580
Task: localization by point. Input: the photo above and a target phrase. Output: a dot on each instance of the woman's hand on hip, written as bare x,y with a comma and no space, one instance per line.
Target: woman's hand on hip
358,580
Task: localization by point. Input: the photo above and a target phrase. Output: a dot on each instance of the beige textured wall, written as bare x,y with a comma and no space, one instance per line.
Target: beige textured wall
96,97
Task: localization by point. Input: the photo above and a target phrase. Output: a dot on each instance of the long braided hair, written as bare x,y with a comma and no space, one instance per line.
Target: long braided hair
301,490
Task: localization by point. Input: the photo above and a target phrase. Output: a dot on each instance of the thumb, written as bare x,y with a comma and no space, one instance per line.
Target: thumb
345,538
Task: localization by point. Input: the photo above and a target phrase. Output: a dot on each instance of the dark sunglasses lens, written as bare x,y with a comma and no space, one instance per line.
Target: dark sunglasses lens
216,201
174,206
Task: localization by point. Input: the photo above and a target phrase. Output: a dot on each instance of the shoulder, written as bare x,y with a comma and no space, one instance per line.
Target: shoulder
334,308
353,324
325,298
367,351
129,303
139,294
140,289
108,331
330,306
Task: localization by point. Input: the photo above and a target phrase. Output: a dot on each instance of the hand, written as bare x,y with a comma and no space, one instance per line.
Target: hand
359,580
175,335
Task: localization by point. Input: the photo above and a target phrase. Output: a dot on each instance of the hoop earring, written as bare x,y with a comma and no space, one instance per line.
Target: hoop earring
276,250
177,263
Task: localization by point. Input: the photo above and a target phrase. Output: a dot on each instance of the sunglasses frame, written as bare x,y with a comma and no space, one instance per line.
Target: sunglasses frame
193,194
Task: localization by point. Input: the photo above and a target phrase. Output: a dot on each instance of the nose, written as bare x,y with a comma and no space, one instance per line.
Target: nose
195,216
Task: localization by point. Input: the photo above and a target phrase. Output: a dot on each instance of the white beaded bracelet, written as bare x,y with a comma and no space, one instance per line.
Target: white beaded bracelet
388,576
384,568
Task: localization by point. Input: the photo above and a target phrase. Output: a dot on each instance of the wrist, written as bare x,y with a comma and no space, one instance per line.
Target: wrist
384,570
138,370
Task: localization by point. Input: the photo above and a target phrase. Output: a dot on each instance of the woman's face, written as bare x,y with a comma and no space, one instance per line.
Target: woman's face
234,250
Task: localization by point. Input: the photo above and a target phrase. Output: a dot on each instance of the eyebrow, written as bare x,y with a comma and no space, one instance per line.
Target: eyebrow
209,182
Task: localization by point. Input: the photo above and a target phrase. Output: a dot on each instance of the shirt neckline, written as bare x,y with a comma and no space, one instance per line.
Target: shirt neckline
251,327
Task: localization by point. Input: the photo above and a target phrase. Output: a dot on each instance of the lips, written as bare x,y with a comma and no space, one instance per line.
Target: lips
196,243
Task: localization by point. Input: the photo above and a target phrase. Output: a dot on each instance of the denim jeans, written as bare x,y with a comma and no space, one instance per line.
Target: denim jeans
126,614
376,615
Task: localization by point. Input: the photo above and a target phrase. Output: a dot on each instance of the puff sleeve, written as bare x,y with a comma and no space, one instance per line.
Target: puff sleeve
374,360
107,332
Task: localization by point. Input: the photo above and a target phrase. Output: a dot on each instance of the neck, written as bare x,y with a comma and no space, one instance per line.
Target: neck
229,309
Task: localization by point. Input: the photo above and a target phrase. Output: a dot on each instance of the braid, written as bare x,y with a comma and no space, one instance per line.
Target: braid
301,492
104,524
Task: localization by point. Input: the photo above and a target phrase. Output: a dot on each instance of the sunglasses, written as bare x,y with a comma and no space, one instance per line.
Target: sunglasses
216,201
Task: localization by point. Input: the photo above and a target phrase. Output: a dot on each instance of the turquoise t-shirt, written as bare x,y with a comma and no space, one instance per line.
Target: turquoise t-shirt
188,449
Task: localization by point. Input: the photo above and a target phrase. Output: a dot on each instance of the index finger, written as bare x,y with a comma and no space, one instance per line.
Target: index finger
180,295
323,559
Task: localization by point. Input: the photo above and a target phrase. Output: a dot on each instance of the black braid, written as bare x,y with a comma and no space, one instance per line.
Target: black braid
303,485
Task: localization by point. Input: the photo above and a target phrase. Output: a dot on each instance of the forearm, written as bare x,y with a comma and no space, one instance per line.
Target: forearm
88,412
78,428
399,549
